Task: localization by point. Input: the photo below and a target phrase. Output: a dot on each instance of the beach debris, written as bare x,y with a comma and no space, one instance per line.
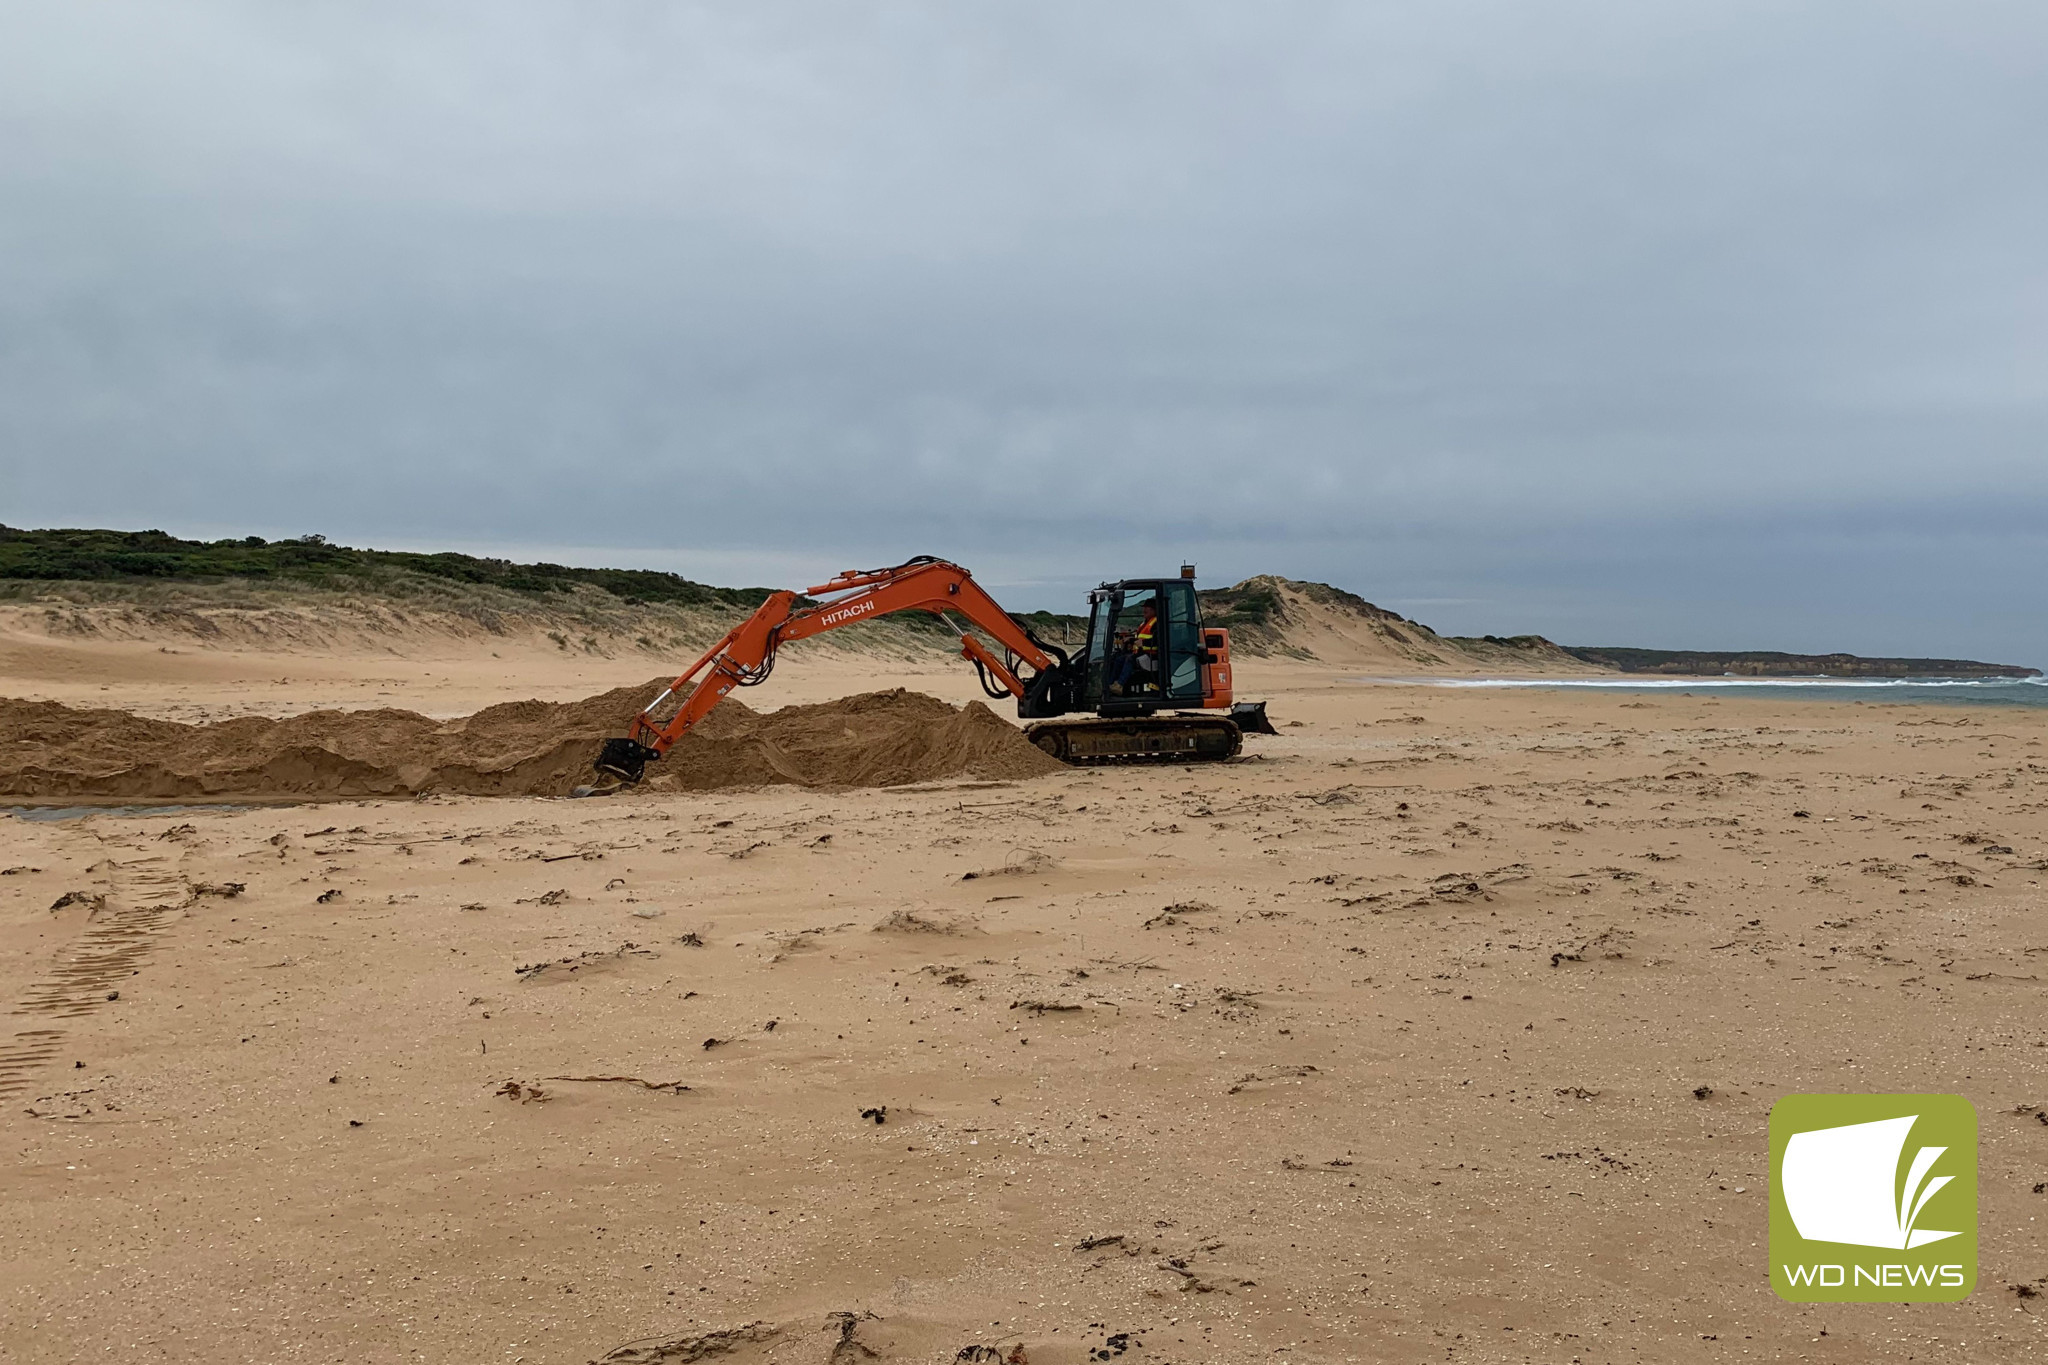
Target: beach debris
680,1349
1045,1006
802,941
327,897
879,1113
1290,1163
1703,1092
921,922
1277,1073
1234,1004
1604,939
1113,1344
91,900
847,1348
1024,862
1174,914
565,966
992,1355
672,1087
69,1104
525,1094
1190,1281
1114,1239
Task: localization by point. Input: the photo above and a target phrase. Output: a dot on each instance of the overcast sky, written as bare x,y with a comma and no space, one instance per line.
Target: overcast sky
1716,324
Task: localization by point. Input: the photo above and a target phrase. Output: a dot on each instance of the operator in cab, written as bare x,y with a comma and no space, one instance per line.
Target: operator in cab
1140,654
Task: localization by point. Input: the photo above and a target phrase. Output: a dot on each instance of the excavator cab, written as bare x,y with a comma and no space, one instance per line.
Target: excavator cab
1148,651
1145,649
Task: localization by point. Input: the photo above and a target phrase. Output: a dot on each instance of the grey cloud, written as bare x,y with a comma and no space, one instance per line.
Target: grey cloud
1629,323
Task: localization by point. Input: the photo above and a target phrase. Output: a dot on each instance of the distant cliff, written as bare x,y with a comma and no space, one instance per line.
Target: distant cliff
1772,664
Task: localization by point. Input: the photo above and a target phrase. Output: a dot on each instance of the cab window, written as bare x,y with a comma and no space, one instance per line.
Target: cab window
1183,642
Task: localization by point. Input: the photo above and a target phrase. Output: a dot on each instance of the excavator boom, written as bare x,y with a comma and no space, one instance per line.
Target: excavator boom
746,654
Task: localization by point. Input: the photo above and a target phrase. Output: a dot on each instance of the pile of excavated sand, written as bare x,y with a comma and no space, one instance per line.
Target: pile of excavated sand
524,748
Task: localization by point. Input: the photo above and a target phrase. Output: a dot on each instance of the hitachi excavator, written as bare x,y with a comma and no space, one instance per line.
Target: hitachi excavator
1147,671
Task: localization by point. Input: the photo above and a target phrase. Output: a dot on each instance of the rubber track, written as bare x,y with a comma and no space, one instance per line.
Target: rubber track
1099,736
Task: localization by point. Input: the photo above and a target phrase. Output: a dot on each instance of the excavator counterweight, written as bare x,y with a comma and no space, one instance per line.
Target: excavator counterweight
1148,671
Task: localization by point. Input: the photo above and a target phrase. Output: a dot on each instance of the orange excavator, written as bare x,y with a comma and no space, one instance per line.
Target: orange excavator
1147,672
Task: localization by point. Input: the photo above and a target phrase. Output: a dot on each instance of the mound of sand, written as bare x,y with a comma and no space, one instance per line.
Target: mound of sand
524,748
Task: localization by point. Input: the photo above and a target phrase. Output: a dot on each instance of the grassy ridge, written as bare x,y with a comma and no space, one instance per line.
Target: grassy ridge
89,556
81,556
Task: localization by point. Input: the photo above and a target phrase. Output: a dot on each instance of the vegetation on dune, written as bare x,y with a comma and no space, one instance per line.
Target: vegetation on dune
90,556
1254,604
1058,628
1536,642
84,566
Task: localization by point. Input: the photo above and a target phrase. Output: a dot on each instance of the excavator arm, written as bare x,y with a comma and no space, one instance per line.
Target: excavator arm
746,654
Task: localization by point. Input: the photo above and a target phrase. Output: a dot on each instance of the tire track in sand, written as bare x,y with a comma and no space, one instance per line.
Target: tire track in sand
148,894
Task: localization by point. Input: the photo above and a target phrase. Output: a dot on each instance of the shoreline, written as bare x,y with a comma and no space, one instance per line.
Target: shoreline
2019,693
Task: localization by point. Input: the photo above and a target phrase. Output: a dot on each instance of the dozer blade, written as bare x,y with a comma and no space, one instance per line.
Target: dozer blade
625,759
1251,718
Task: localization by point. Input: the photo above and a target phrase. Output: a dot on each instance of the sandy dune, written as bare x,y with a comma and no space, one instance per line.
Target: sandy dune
1318,624
1443,1027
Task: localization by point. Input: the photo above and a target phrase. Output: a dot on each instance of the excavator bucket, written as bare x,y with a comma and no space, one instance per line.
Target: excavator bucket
1251,718
625,759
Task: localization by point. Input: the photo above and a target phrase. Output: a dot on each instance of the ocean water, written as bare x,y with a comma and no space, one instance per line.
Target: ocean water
1920,691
